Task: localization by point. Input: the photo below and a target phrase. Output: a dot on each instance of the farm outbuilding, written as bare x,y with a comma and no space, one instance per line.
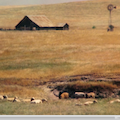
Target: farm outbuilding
62,26
34,22
39,22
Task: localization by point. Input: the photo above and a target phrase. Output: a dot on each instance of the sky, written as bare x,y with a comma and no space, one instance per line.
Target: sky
32,2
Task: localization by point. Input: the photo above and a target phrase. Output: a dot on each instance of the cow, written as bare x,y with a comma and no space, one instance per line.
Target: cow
90,95
79,95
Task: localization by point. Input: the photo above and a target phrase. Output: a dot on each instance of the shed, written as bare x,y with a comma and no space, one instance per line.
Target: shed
62,26
34,22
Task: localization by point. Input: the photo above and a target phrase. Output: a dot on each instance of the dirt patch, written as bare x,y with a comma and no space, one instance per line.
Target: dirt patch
115,80
103,86
49,93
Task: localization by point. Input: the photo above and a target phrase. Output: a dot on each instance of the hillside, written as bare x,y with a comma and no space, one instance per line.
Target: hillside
81,50
85,58
83,14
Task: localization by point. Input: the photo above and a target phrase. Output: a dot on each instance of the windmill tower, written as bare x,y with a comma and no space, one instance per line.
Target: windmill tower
110,7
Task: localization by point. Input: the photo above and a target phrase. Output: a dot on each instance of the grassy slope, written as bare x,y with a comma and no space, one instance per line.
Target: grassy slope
76,14
53,53
60,107
45,54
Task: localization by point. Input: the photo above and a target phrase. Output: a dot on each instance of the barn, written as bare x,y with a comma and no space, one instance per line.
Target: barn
34,22
62,26
39,22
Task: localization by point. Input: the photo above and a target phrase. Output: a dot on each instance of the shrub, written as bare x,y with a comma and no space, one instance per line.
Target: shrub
93,27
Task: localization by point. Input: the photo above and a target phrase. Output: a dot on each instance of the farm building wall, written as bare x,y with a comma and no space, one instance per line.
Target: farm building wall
33,23
26,24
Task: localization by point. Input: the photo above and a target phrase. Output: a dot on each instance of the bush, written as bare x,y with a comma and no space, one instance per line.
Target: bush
93,27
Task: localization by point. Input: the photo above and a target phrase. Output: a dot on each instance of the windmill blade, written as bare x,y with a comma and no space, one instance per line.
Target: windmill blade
110,7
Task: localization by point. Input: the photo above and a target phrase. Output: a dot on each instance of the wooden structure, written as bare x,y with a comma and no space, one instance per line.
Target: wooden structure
62,26
34,22
39,22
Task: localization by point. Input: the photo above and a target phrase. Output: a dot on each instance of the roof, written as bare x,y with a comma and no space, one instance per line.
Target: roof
40,20
61,24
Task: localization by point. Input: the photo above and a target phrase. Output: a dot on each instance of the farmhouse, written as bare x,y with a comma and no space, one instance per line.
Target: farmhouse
39,22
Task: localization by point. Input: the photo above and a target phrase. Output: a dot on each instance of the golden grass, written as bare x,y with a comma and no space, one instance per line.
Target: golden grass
21,92
41,53
89,86
28,58
48,54
60,107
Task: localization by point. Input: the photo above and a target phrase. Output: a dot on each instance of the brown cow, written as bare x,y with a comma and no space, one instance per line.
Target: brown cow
90,95
63,95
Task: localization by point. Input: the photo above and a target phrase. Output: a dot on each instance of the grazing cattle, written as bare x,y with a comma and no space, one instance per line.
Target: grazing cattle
16,99
10,99
44,100
113,101
79,95
7,98
86,103
64,95
35,101
1,97
61,95
90,95
117,100
90,102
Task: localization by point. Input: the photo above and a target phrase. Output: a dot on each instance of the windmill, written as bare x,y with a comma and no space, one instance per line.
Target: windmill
110,7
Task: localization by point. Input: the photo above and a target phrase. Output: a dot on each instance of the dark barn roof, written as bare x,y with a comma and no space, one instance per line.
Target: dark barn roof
35,20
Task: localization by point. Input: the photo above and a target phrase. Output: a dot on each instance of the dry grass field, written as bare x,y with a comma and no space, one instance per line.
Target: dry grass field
60,107
28,58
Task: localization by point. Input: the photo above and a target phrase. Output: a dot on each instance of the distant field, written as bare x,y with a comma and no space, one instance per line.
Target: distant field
38,56
35,54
